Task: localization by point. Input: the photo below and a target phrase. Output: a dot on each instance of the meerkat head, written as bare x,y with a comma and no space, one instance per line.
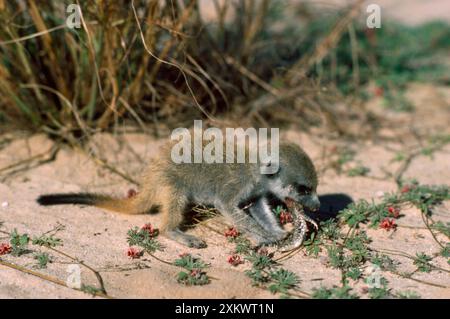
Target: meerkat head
296,177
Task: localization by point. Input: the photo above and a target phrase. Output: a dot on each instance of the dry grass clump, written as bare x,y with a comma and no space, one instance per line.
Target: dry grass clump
164,63
147,61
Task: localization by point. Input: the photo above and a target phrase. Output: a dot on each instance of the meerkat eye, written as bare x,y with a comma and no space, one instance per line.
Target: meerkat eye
303,189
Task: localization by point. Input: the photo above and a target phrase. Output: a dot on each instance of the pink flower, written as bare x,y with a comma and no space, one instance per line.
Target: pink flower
394,211
234,260
134,253
231,232
5,248
379,91
406,189
149,228
196,273
131,193
388,224
285,217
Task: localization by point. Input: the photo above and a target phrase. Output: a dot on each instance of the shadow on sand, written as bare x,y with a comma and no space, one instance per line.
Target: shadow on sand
331,205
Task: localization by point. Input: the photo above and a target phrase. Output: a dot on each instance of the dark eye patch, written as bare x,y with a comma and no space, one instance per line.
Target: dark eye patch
302,189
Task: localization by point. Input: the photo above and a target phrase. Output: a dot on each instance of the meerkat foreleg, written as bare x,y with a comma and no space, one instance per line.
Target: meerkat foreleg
262,213
247,224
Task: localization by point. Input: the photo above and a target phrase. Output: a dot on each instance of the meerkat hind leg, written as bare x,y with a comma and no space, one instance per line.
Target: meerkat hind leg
173,218
185,239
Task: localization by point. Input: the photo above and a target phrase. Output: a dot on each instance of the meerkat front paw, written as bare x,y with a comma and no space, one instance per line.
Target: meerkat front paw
272,239
279,235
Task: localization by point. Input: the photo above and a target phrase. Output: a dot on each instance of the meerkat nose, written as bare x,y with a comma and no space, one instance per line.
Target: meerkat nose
314,204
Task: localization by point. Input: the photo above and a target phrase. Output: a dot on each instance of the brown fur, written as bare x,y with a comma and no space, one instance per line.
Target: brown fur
169,187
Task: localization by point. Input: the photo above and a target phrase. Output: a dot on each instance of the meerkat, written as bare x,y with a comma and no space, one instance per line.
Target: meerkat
239,191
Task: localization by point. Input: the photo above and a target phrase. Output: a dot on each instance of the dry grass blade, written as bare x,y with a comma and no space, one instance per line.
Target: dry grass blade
46,277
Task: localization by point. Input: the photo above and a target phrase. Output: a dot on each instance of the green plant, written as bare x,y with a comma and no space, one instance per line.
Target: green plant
260,260
383,261
43,259
144,239
359,170
329,229
193,278
195,274
334,293
313,245
48,241
353,273
91,290
382,292
258,277
423,197
283,281
422,261
190,263
243,245
19,243
345,155
435,143
407,295
278,210
442,228
350,251
445,252
394,61
356,213
264,271
350,257
399,157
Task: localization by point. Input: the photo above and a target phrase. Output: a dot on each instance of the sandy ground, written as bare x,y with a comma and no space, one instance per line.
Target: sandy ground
98,238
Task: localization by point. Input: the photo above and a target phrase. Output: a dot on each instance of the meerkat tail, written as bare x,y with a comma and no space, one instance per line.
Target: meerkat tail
125,205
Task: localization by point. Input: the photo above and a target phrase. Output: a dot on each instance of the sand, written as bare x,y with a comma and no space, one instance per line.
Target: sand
98,238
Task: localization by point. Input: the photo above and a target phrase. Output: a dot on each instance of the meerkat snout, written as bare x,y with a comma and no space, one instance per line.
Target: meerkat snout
311,202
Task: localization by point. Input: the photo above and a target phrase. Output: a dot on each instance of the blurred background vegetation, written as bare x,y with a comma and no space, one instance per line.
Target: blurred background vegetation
155,65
